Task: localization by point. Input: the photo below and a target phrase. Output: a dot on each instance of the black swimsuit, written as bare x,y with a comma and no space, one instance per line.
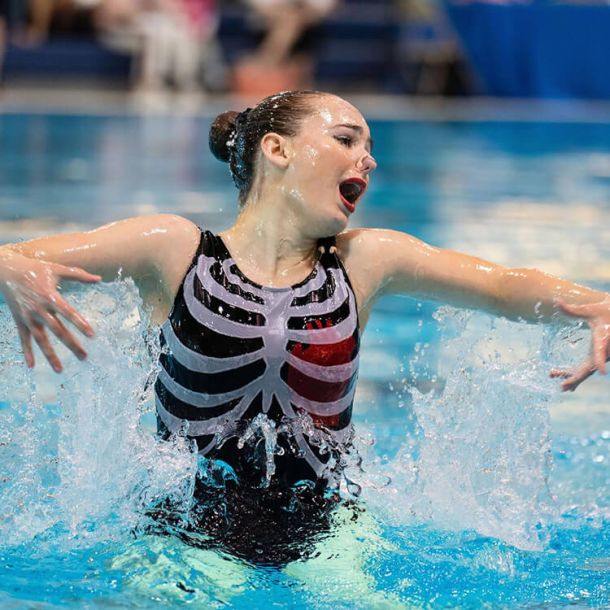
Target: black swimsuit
239,359
235,350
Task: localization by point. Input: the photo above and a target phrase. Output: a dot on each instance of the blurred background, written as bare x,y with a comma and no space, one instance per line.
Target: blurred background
492,133
149,48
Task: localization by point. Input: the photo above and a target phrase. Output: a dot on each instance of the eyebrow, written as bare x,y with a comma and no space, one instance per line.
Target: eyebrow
360,131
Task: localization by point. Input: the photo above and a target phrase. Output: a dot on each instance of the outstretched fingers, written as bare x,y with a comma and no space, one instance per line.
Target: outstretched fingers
46,316
35,324
25,338
597,317
573,377
596,362
37,307
62,306
40,336
63,334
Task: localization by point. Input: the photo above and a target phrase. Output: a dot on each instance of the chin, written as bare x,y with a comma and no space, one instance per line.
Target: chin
338,224
330,223
330,227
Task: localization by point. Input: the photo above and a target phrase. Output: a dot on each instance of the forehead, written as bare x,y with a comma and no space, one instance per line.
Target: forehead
329,110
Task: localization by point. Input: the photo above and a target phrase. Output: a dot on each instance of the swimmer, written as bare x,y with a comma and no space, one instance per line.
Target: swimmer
261,323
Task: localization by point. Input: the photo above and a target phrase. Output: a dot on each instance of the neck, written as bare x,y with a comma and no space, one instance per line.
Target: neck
269,244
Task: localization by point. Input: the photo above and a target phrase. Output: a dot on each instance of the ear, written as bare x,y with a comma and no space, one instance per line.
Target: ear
274,147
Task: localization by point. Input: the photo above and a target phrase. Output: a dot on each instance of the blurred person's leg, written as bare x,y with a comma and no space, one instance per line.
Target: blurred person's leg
285,27
123,26
284,59
116,24
33,18
156,58
187,61
113,13
286,23
41,14
199,49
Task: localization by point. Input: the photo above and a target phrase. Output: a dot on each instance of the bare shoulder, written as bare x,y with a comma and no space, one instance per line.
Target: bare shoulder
144,231
177,239
161,224
378,246
171,243
167,235
362,242
165,241
178,223
362,253
375,259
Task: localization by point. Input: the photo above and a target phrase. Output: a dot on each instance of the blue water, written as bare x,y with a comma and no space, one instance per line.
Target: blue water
482,486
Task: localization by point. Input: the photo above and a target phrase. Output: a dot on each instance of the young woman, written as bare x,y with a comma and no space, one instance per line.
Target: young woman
262,323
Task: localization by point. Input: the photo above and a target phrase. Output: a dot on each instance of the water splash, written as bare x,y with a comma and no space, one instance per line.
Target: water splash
83,464
479,456
79,462
261,423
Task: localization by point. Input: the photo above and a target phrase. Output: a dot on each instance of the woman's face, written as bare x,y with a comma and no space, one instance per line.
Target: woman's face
329,165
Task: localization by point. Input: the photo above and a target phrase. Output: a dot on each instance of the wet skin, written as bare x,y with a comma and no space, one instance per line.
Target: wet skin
296,198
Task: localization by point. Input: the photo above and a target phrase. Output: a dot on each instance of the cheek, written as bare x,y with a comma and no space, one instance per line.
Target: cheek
316,158
311,174
311,155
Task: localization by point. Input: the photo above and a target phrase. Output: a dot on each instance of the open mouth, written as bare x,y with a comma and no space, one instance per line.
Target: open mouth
351,190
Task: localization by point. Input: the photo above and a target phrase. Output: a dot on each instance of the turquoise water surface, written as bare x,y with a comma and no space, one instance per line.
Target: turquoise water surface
477,483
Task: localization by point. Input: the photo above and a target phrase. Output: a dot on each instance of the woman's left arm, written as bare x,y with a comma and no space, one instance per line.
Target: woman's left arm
382,262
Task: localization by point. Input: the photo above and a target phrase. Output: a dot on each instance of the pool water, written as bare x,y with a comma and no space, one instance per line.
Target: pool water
478,483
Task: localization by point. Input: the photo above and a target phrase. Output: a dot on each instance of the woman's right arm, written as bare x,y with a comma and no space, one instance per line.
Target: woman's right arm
154,250
136,247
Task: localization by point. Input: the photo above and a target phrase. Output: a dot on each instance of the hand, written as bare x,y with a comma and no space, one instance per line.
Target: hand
597,316
30,287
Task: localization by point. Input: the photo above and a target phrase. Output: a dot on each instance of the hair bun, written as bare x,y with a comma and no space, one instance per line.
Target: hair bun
222,134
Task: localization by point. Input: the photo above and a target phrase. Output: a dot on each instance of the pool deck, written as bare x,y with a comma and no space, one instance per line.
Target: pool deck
96,98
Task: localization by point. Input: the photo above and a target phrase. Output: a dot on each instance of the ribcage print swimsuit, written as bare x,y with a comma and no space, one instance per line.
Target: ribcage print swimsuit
234,349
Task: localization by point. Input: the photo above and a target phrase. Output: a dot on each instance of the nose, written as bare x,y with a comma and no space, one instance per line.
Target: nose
366,163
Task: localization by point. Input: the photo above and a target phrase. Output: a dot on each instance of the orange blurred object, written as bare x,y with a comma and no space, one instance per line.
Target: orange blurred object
255,79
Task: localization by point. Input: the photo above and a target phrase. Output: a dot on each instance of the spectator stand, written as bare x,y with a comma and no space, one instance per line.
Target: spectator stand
70,51
354,48
366,45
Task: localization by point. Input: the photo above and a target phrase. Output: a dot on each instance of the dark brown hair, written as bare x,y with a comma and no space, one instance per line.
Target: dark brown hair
235,136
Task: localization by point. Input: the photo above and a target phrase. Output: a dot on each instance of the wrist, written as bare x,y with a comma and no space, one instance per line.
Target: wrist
10,263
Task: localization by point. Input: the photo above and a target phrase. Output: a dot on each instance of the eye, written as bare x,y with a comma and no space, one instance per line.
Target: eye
345,140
